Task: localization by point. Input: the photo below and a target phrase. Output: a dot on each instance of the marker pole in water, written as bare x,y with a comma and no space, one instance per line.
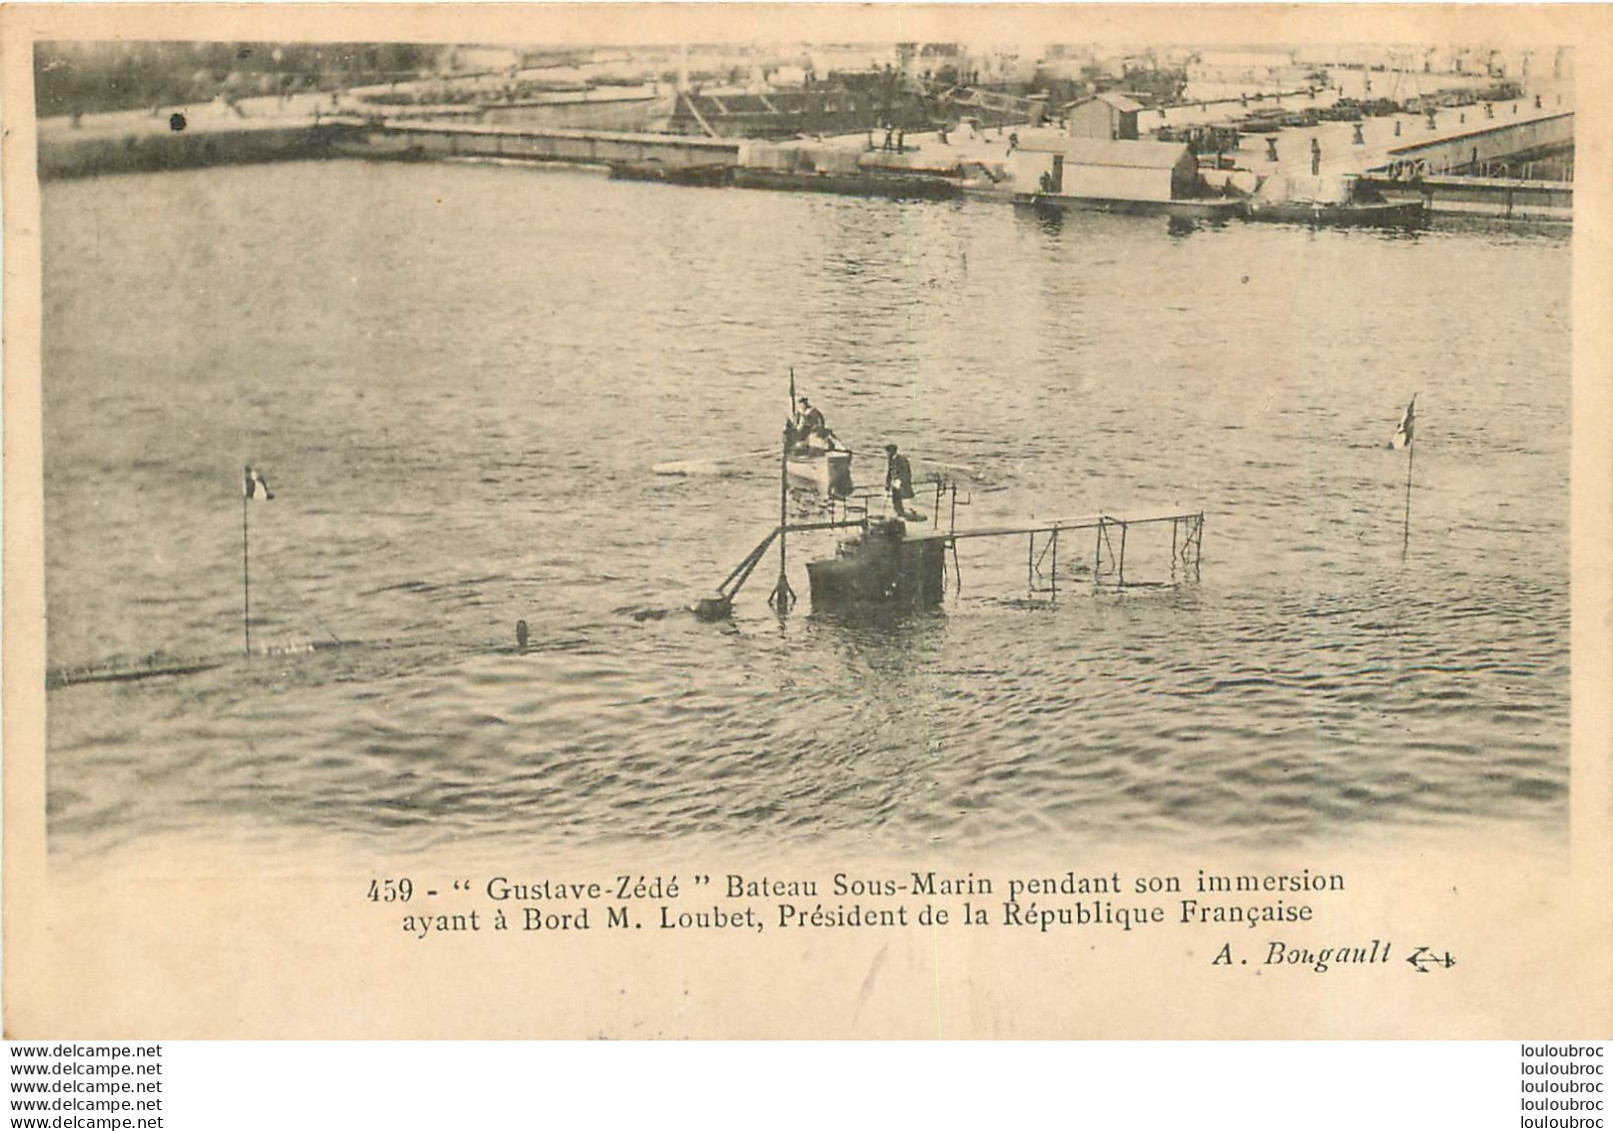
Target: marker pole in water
246,575
1405,536
783,596
253,486
1406,437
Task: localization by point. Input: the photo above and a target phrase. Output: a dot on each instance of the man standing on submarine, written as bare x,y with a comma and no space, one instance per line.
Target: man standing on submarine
899,481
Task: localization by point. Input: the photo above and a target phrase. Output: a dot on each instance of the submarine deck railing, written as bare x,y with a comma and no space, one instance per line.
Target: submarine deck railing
1109,544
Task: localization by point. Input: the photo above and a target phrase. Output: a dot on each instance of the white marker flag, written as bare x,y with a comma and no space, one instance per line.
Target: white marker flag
1403,434
255,487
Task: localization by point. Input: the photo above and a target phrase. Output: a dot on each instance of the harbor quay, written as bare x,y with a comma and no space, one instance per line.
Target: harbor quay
1507,157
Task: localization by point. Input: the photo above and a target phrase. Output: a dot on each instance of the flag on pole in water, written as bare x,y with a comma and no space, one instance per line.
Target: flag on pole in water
1403,434
255,487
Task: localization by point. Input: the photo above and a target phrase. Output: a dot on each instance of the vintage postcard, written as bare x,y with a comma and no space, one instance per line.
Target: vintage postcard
645,521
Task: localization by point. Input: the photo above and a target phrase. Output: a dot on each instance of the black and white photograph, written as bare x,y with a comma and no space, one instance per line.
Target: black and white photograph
757,484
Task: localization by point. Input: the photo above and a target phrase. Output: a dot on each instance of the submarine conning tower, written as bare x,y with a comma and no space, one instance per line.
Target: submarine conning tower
883,564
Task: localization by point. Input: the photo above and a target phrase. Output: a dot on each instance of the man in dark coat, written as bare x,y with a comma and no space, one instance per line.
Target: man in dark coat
809,430
898,480
809,421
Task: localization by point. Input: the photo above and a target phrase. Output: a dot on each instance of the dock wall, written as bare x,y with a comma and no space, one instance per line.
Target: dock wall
1491,143
139,146
1523,200
65,153
636,113
69,155
525,143
1484,196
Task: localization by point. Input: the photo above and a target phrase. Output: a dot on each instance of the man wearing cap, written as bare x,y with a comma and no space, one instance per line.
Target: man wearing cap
898,480
809,421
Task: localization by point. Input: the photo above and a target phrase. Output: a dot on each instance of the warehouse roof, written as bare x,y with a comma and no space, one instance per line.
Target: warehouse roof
1110,98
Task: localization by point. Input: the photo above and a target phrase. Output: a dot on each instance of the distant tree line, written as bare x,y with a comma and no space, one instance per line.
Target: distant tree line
1164,85
75,78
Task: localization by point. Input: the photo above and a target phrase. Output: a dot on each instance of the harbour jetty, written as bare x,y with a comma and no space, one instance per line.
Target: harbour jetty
1515,168
448,140
1463,171
1481,145
101,145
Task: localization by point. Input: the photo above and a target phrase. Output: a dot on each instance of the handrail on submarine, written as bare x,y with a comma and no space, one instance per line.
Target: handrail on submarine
1186,547
1186,543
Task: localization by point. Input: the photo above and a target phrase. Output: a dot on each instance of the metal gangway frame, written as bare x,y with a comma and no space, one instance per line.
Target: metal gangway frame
1109,539
856,512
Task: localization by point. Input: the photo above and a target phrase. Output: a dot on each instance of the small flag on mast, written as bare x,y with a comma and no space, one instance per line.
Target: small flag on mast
255,487
1403,434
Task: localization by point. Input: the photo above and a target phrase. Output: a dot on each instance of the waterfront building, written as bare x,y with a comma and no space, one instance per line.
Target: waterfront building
1100,169
1108,116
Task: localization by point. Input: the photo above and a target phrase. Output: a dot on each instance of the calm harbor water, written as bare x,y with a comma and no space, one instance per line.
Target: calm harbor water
457,379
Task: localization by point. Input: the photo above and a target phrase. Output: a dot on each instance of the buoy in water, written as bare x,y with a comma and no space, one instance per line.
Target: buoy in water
520,635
